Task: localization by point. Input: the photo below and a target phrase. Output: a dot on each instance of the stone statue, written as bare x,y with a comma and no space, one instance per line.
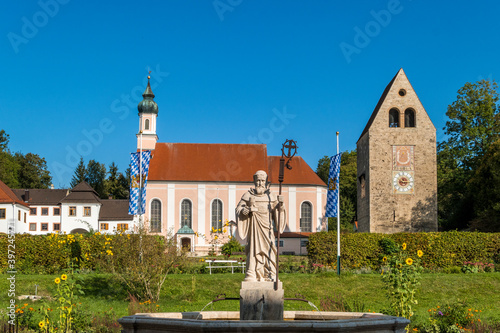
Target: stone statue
256,212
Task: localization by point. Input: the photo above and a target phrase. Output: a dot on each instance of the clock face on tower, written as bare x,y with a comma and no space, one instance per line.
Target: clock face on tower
403,182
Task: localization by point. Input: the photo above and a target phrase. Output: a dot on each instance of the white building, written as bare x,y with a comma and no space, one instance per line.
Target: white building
79,210
13,211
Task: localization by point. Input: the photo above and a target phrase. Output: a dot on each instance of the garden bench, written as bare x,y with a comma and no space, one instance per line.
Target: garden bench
214,263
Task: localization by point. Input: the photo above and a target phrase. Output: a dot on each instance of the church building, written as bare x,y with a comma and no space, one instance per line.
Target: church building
193,189
397,170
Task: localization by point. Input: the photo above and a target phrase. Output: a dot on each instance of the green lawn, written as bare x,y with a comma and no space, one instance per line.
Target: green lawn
191,292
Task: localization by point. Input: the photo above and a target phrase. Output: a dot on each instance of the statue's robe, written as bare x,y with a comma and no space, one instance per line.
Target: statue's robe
257,228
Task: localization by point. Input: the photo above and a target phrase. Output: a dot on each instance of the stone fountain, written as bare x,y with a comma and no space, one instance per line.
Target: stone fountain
261,295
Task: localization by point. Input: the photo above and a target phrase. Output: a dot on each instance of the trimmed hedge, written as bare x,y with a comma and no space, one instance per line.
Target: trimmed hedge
441,249
53,253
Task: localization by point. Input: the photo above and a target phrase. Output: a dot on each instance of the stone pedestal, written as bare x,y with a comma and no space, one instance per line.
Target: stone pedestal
259,301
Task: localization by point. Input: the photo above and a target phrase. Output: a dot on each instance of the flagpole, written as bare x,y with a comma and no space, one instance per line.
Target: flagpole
140,196
338,215
140,179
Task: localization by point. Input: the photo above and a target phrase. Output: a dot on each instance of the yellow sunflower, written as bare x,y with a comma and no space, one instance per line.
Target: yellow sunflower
420,253
41,324
384,259
409,261
404,246
64,277
57,280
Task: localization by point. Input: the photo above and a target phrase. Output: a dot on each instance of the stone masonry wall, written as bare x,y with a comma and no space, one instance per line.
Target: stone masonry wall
389,212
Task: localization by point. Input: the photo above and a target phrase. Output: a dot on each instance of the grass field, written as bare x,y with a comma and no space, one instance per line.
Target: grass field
191,292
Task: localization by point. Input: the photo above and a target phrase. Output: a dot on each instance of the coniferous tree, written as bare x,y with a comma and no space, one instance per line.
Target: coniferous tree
79,175
116,186
96,176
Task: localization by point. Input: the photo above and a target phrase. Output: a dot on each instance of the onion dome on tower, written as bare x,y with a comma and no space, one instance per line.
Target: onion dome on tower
148,112
148,105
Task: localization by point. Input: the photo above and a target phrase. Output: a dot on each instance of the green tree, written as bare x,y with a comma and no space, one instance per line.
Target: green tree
9,170
472,127
32,172
485,188
4,140
22,171
79,175
116,184
95,176
348,188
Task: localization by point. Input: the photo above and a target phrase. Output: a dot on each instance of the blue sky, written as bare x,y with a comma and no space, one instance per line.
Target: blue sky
227,71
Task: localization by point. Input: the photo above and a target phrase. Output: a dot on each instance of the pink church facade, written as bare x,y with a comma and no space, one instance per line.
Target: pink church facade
193,189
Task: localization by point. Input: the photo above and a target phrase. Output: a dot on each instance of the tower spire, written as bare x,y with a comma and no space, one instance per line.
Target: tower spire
148,112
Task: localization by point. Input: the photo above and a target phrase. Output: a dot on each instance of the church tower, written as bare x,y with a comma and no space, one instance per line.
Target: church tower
148,111
397,171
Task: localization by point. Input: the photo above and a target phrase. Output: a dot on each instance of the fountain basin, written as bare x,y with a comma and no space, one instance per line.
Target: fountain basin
294,321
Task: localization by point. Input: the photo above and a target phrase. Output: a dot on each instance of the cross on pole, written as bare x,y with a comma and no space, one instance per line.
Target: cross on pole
290,145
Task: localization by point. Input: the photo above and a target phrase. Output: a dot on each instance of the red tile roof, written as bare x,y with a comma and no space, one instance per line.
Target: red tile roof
300,174
9,197
196,162
207,162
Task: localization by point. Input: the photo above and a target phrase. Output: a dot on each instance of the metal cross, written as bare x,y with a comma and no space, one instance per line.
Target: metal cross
289,145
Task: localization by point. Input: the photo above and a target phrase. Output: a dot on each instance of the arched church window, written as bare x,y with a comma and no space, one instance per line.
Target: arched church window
146,124
186,213
409,118
155,215
306,217
393,117
217,215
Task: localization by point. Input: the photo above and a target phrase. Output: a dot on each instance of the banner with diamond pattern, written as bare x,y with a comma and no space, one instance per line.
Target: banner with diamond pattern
333,186
137,201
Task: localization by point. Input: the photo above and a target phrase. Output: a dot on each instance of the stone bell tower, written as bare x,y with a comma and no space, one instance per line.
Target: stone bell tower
397,171
148,111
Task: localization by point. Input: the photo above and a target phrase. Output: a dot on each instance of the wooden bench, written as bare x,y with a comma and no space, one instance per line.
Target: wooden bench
214,263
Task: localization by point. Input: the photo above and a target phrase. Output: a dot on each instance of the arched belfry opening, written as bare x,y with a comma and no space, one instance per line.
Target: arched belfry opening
393,117
409,117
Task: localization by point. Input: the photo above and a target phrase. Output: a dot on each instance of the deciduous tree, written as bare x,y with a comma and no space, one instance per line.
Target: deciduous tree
472,127
32,172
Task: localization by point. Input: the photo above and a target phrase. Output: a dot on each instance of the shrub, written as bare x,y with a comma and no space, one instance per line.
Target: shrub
142,262
451,317
232,246
442,249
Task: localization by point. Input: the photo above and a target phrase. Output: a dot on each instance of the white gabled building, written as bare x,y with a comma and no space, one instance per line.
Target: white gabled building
79,210
44,209
13,211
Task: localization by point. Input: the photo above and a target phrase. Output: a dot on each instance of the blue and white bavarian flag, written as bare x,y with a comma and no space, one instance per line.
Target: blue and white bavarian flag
138,164
333,186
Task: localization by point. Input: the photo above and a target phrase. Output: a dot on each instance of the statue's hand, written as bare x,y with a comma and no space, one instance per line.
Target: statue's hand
245,211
